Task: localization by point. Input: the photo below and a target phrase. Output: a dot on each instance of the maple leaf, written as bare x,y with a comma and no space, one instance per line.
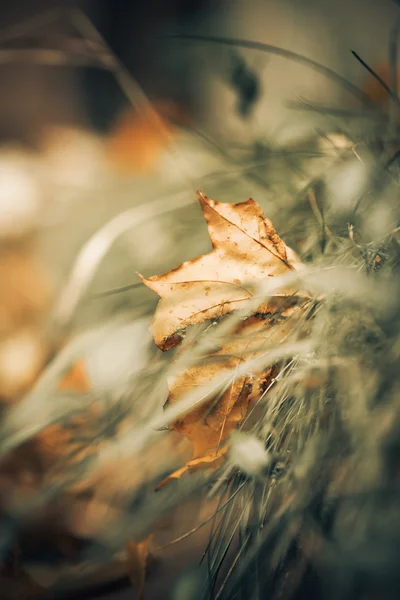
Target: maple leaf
207,425
137,559
246,249
210,423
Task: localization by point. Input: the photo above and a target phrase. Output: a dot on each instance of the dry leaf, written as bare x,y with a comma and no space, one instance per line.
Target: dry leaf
137,142
211,423
208,425
137,558
25,290
76,379
25,296
246,250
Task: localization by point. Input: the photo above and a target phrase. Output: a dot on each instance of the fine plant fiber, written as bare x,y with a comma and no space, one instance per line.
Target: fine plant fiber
316,515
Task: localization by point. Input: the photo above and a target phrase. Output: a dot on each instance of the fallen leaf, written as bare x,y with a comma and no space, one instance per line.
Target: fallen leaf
25,290
25,296
137,559
211,423
208,425
137,142
246,250
76,379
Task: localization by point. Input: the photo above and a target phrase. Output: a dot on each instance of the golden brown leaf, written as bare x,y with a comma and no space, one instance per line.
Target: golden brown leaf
137,558
246,250
25,295
211,423
25,290
137,142
76,379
